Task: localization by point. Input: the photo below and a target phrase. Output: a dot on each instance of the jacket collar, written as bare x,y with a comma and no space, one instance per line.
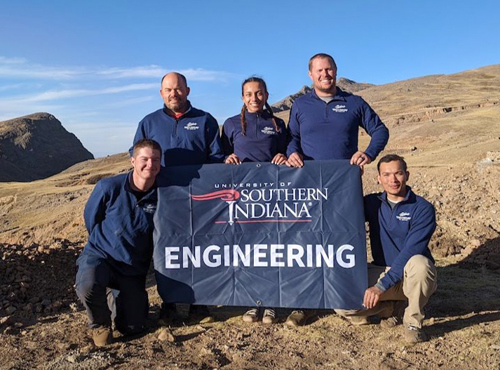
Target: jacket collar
171,114
409,194
128,187
264,114
339,95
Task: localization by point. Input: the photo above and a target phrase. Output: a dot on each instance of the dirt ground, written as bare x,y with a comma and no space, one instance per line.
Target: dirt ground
42,324
50,330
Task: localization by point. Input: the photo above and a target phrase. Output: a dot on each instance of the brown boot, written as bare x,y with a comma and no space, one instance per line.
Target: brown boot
358,320
102,336
396,318
296,318
414,334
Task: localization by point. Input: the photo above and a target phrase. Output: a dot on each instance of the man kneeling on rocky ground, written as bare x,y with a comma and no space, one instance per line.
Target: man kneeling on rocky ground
402,277
111,277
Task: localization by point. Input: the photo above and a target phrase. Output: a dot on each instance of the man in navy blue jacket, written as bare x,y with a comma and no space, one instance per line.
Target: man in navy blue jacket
324,122
186,134
119,219
401,225
324,125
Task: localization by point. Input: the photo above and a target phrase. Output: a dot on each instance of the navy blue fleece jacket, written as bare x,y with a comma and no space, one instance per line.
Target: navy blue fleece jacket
120,226
322,130
399,233
191,139
260,143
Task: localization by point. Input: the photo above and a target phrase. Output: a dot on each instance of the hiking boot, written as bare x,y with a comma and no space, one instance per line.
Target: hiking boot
168,312
102,336
252,315
202,313
391,322
396,317
296,318
358,320
413,334
269,316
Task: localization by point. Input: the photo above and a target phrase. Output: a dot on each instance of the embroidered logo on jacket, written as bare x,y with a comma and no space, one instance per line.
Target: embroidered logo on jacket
192,126
268,130
404,216
149,208
339,108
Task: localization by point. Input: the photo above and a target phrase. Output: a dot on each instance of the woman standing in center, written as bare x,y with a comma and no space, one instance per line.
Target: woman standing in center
255,135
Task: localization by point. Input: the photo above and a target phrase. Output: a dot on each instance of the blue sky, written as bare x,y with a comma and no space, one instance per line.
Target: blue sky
97,65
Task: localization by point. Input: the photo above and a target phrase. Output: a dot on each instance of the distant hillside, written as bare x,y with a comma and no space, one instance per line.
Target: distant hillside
344,83
37,146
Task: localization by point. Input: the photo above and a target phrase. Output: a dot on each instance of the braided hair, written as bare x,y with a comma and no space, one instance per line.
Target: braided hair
268,107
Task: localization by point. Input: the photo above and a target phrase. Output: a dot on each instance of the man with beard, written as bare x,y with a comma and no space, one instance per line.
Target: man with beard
188,136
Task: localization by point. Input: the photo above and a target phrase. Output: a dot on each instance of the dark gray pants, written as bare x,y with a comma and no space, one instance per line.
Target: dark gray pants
108,295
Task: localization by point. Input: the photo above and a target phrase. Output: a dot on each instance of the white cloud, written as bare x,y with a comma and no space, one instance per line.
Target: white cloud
200,74
77,93
134,72
20,68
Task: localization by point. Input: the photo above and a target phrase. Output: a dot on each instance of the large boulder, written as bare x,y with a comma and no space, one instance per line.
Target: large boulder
37,146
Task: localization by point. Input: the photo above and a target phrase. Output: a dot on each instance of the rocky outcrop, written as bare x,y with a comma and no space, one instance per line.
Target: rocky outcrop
286,103
37,146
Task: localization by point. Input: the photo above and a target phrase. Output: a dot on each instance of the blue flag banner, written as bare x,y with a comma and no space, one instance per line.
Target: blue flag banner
258,234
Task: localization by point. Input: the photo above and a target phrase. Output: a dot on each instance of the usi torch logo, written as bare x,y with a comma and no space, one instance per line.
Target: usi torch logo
268,205
229,196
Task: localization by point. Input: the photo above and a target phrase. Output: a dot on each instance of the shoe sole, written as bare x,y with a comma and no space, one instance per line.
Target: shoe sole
268,321
250,319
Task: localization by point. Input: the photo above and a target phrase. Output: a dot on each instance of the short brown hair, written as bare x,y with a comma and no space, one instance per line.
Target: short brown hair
322,55
391,158
145,143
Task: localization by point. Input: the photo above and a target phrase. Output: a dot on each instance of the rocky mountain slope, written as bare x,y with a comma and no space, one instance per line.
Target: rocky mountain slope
37,146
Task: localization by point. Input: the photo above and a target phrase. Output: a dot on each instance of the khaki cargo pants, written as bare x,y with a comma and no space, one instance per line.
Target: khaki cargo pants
418,284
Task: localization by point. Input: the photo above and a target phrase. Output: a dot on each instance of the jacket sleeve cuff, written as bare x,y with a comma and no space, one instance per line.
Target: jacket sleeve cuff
290,150
380,287
371,154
